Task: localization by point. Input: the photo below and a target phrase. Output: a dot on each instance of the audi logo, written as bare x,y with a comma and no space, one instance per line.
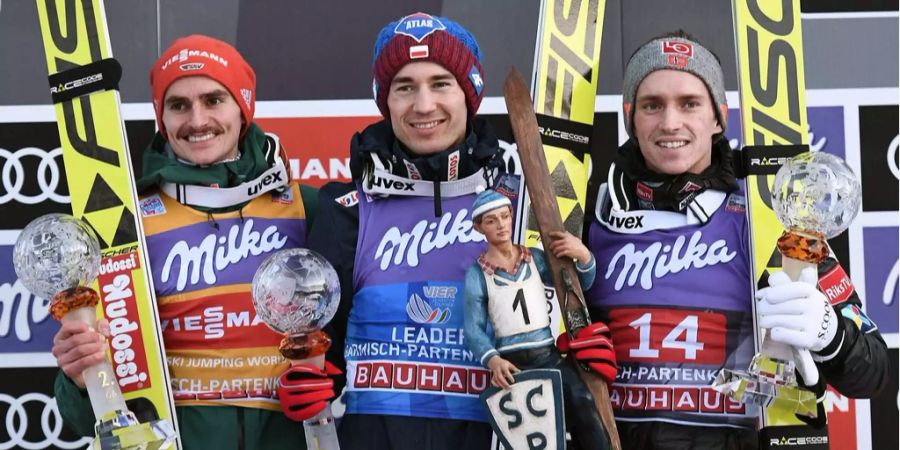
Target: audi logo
16,424
892,160
48,176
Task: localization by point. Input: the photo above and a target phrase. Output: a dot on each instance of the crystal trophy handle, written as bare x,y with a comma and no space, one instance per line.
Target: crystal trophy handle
320,430
99,379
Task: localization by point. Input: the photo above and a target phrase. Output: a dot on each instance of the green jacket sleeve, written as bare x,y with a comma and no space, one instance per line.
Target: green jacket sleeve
74,405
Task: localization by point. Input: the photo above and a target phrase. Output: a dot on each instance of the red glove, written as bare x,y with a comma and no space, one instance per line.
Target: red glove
593,347
304,390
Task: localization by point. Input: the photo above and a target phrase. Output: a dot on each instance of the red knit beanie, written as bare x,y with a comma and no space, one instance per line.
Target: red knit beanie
423,37
199,55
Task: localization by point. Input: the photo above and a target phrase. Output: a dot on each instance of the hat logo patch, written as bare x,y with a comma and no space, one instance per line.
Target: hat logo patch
418,26
475,78
248,96
418,51
191,66
681,48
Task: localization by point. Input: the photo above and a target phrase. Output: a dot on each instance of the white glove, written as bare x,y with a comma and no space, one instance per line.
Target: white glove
796,312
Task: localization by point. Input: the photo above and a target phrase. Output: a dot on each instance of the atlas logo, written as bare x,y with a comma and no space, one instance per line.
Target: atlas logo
421,312
418,26
394,185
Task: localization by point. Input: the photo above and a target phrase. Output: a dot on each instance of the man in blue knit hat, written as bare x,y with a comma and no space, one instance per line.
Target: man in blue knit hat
400,238
505,293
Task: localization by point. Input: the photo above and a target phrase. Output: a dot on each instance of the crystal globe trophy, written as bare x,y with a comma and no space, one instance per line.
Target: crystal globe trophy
56,256
815,196
296,292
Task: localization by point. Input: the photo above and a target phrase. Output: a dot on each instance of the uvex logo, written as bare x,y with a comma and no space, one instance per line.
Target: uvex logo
628,222
392,184
266,181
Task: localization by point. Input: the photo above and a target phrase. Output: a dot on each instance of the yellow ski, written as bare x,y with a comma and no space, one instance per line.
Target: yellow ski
564,89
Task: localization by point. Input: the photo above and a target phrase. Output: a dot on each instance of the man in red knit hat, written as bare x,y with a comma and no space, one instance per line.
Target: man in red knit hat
216,200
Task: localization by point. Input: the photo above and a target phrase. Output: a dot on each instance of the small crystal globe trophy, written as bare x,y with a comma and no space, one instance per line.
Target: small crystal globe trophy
815,196
296,292
56,257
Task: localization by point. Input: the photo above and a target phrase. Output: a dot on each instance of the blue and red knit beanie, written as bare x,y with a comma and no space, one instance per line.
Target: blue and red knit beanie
423,37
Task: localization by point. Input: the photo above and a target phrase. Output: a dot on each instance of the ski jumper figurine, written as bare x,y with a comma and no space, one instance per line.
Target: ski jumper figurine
505,291
670,233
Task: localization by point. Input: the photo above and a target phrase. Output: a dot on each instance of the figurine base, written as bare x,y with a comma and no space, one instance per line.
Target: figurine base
122,431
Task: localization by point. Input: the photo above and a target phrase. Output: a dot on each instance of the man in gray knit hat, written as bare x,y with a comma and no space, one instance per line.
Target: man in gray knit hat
670,236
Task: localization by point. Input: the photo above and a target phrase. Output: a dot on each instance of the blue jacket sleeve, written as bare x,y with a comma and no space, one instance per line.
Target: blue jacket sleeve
586,271
476,320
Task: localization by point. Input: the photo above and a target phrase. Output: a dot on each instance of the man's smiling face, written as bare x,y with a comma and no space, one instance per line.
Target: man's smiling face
674,122
428,108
